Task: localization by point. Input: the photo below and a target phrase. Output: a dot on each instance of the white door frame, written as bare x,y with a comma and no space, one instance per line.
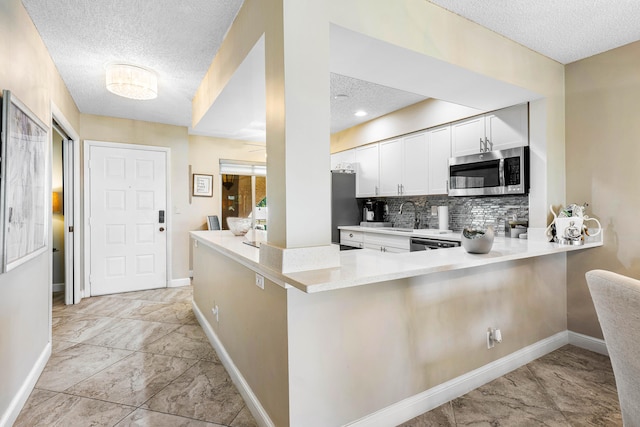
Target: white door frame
73,288
87,199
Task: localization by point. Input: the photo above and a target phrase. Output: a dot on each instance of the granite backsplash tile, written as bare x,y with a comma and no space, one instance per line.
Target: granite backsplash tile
463,211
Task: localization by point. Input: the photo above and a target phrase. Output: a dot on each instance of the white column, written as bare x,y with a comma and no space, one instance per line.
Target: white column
298,138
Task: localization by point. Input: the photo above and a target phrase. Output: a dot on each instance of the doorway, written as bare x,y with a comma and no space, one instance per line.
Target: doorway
244,196
126,219
65,197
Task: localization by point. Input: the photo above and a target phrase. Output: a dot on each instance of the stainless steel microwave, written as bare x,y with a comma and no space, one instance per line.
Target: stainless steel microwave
492,173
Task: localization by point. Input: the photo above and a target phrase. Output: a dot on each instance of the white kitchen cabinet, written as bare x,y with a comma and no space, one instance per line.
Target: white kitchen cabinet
415,165
467,136
390,167
439,143
352,238
347,156
509,127
367,171
498,130
403,166
386,242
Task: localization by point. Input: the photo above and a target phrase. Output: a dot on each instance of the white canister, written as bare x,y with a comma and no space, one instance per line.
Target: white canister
443,218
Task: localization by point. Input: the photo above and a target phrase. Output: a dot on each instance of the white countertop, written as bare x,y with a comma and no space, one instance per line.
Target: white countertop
364,266
422,232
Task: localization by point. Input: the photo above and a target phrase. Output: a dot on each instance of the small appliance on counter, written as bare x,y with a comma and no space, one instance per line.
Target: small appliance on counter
373,214
380,208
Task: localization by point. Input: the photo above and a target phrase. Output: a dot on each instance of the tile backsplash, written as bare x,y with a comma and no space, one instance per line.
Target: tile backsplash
463,211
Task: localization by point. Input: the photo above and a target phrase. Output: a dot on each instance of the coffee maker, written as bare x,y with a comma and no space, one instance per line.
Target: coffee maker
379,210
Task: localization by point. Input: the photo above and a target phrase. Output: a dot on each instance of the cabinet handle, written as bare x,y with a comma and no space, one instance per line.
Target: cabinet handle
401,188
481,150
350,234
376,190
488,145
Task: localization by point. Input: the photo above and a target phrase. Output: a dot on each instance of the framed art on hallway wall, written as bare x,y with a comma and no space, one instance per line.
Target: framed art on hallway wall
202,185
24,186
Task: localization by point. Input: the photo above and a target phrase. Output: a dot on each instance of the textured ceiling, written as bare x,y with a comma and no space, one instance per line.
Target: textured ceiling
178,40
376,100
563,30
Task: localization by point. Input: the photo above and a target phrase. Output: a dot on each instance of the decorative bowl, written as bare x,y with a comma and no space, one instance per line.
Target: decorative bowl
239,226
477,241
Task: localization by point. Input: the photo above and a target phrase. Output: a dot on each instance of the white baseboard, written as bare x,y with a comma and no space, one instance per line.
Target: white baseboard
254,405
57,287
429,399
588,343
174,283
17,403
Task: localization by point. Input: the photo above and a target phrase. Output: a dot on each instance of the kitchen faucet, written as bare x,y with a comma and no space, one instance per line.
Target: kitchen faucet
416,220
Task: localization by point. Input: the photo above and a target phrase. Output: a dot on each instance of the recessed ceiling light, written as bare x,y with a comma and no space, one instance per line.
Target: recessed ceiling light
341,96
361,113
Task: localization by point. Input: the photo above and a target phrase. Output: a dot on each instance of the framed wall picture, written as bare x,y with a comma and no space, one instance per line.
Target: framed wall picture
24,215
202,185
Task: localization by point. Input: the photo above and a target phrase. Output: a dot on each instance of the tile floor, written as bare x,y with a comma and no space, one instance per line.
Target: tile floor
569,387
141,359
134,359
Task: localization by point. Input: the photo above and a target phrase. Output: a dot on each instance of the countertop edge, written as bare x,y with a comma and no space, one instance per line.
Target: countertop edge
311,281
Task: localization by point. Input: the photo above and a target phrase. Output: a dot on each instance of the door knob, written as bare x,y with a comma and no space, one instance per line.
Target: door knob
161,228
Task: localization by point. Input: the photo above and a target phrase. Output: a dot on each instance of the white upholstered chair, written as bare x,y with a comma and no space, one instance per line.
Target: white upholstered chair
617,301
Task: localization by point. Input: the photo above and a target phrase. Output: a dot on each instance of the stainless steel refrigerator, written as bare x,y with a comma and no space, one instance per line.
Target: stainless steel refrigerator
344,206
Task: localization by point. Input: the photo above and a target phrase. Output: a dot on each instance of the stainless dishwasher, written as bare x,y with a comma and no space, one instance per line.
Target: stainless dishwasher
427,244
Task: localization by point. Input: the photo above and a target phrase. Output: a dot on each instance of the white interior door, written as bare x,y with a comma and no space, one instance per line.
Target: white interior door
128,190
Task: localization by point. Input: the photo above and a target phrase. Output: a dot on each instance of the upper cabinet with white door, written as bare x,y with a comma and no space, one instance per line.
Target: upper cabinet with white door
509,127
439,140
403,166
498,130
415,161
367,171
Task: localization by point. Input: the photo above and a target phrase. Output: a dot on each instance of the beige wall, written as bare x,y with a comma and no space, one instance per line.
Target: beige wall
602,154
204,157
27,70
252,325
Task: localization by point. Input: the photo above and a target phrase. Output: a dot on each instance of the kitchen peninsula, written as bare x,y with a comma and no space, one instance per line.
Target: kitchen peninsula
382,337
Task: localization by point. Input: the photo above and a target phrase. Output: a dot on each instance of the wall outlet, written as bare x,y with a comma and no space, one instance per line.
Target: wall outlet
434,210
216,311
494,335
259,281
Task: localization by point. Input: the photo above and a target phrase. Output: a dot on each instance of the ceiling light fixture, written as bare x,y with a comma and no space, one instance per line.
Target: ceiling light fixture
361,113
132,82
341,96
